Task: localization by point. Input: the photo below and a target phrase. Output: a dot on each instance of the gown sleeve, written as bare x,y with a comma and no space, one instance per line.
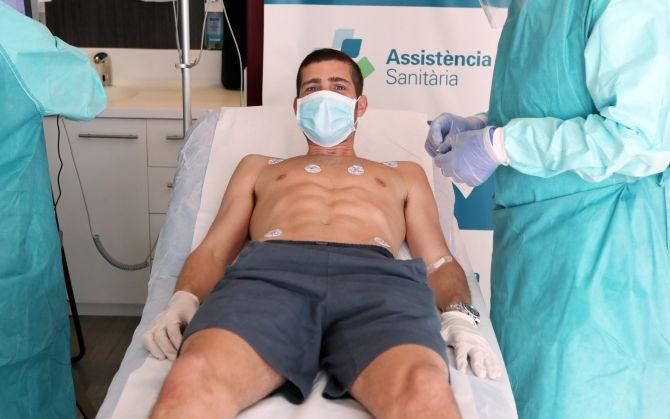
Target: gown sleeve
627,59
58,77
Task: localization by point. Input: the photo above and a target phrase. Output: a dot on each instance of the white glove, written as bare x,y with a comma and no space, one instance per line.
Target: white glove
460,332
164,335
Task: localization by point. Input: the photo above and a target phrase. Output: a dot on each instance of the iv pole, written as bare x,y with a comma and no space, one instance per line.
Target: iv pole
185,66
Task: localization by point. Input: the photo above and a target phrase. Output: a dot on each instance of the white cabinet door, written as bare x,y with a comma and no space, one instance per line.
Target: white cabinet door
111,156
164,140
161,181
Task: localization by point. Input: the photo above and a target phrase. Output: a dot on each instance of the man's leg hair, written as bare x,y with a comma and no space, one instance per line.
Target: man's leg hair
217,374
406,381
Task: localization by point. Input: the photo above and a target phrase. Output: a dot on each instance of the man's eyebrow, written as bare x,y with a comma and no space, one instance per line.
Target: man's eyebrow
313,80
338,79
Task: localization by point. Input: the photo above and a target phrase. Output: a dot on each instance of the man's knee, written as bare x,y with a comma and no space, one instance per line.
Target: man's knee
192,379
189,372
425,388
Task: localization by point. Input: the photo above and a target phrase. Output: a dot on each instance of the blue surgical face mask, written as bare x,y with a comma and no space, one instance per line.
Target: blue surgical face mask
326,117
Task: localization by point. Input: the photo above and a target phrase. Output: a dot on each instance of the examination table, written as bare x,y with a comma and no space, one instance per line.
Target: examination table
213,148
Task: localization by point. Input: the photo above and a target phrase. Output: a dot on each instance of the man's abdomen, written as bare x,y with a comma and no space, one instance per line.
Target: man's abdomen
316,213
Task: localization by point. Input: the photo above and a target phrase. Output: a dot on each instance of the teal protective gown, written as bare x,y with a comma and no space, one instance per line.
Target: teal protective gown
581,265
39,75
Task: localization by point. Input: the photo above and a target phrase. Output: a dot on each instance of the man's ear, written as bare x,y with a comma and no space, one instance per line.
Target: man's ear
361,106
295,105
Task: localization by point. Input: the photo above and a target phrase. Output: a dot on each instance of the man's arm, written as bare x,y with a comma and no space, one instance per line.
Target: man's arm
448,282
228,233
206,265
426,241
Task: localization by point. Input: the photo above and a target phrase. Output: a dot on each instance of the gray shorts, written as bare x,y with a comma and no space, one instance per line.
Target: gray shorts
305,306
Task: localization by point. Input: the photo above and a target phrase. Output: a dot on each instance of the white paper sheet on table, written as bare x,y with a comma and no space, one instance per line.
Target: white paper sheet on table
382,136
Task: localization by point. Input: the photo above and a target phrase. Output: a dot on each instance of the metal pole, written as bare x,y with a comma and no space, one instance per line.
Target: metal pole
185,66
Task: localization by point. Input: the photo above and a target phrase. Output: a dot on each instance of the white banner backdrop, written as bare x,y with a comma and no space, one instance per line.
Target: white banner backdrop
423,55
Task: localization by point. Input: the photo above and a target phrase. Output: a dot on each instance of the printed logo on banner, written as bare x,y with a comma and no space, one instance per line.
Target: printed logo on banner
432,68
417,67
344,41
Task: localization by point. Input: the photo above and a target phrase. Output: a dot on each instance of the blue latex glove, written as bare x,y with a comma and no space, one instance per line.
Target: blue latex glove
448,124
468,157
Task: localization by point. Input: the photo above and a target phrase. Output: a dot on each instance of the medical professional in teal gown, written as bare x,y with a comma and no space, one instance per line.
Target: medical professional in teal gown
39,75
578,136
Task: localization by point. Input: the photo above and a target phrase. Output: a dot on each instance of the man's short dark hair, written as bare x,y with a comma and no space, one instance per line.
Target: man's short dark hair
328,54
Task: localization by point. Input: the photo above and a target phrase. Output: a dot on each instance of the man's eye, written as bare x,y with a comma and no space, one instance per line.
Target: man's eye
340,87
310,89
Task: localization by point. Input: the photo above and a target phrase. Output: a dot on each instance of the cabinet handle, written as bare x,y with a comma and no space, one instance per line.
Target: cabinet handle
170,185
111,136
174,137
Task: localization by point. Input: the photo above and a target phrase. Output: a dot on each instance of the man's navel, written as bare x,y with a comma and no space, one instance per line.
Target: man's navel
380,182
280,177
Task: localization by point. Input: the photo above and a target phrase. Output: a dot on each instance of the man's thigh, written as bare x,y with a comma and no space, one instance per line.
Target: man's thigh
228,364
274,314
383,305
402,376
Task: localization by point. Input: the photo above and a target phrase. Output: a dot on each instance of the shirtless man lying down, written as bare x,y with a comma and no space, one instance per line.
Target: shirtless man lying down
317,286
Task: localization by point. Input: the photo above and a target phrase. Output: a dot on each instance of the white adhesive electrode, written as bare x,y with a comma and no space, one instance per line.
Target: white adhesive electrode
313,168
438,264
274,233
275,161
392,164
381,242
356,170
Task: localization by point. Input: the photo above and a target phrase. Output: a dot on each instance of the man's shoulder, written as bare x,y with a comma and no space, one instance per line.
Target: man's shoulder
396,164
409,165
406,169
411,169
256,161
255,158
412,174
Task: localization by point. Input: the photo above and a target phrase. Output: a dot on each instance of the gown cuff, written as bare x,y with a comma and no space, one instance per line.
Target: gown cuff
499,146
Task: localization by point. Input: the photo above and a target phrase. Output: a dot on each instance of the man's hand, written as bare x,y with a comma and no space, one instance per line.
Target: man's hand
164,336
460,332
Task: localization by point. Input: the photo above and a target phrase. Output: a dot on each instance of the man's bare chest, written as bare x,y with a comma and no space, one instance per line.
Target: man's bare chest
334,176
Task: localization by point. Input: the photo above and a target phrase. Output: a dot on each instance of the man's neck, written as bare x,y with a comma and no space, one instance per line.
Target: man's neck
343,149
